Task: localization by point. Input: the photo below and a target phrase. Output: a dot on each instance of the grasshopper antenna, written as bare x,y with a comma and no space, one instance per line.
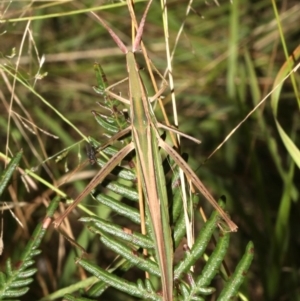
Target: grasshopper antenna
139,33
118,41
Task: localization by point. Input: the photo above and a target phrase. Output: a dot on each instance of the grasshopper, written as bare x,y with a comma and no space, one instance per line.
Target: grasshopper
146,142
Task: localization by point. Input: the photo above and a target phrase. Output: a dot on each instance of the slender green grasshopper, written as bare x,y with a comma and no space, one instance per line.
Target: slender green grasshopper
146,142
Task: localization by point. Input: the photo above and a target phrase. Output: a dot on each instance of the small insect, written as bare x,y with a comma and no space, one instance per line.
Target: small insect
91,153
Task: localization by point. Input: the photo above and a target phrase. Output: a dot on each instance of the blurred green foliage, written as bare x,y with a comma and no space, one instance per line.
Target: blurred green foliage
226,61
